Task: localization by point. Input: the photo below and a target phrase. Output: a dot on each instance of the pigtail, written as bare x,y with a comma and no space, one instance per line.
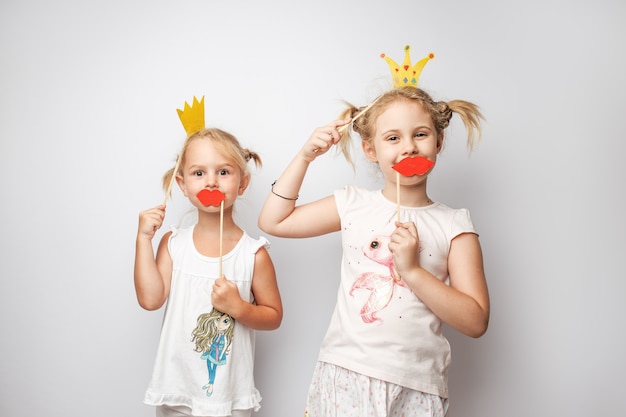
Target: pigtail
471,116
251,155
167,178
345,141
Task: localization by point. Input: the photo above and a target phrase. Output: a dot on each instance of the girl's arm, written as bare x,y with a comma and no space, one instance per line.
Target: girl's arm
266,313
280,216
464,304
152,276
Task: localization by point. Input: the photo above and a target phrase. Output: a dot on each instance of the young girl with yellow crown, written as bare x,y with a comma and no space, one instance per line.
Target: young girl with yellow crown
219,283
409,263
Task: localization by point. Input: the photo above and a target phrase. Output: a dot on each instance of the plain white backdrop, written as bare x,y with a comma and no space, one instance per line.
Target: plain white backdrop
88,93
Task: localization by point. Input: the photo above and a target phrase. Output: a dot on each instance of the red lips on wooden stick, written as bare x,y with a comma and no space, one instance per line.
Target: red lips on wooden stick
417,165
215,198
211,197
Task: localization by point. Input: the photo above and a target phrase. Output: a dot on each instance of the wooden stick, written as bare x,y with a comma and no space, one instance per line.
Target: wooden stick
168,192
359,114
347,125
221,233
398,194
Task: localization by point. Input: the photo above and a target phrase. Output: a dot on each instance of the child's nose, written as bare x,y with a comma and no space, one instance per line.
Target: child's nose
211,181
411,148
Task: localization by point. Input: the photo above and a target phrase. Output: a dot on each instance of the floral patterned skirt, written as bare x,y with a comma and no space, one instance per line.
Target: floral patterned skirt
338,392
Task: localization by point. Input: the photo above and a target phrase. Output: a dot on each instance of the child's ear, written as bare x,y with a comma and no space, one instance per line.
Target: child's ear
181,184
440,142
369,151
245,181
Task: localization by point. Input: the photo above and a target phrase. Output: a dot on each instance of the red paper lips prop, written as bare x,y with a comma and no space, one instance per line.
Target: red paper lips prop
417,165
211,197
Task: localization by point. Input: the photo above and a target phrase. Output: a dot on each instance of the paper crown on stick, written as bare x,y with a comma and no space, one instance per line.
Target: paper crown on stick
406,74
192,117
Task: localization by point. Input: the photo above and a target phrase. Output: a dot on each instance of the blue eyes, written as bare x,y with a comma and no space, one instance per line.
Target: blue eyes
222,320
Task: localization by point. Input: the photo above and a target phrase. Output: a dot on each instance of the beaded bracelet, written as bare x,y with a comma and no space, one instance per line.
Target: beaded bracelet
285,198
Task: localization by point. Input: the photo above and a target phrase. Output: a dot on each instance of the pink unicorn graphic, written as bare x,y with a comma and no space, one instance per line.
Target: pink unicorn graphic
381,287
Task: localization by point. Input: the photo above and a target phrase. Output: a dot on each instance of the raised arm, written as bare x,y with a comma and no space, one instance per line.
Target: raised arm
152,275
280,216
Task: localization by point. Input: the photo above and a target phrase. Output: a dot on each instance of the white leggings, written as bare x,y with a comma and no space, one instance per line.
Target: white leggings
177,411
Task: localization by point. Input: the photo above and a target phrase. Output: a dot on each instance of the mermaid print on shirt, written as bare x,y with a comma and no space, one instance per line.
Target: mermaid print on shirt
213,336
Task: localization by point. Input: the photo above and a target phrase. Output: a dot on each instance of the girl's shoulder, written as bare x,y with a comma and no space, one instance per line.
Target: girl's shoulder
446,210
354,192
455,220
180,233
180,240
252,244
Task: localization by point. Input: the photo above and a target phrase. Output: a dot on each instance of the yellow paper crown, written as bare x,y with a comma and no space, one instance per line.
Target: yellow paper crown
192,117
406,75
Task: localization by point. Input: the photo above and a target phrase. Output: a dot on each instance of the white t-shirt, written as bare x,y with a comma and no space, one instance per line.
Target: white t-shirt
181,375
379,328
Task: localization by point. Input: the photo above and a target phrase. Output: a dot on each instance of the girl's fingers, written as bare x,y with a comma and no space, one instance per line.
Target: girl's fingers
340,123
408,227
151,220
323,138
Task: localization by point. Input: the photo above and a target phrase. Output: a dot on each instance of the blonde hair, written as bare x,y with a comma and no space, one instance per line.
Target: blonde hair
440,111
206,330
226,144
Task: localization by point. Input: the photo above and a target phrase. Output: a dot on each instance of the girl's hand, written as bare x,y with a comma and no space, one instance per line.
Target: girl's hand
404,246
225,297
322,139
150,221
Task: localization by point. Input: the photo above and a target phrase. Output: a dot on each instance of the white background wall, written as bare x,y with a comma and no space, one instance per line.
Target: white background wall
88,125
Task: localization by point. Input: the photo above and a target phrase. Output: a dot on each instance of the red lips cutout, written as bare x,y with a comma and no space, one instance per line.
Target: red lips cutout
211,197
417,165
